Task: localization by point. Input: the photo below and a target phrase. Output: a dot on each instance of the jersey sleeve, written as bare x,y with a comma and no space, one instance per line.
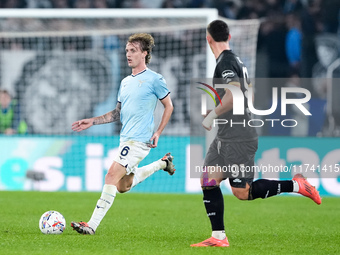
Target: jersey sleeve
229,72
160,87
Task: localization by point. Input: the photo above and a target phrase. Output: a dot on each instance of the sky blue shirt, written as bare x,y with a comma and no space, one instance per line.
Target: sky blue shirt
138,95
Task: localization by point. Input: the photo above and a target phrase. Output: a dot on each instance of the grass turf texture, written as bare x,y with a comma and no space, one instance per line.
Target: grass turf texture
168,224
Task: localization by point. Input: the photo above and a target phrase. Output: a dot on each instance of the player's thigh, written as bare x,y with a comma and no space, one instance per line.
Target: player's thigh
115,173
239,162
211,175
130,154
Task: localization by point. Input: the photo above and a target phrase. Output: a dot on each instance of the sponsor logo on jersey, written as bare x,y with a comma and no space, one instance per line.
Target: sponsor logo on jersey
227,74
237,180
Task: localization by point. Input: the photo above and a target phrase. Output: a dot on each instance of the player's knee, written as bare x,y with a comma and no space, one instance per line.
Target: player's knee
210,182
241,193
109,177
123,188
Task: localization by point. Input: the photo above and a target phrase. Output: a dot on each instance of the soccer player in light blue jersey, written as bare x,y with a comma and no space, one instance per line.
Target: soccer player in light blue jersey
137,99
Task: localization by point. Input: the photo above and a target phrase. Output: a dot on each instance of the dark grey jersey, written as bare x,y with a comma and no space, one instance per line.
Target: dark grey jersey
230,69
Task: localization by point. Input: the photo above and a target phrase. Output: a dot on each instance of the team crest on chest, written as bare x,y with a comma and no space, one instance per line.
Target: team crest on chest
141,82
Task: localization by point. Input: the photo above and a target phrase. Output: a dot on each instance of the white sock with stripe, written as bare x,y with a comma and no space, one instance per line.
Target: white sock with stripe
220,234
295,186
144,172
103,205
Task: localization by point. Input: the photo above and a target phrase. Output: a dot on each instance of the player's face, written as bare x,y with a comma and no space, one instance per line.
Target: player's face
134,55
209,40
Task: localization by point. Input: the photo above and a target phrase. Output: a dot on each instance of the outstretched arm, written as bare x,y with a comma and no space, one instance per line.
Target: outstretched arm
109,117
168,108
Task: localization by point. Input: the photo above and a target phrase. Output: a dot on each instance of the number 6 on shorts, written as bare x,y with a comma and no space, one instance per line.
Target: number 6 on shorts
125,151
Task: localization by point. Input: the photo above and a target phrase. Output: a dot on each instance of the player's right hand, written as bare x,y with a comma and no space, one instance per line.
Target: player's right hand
81,125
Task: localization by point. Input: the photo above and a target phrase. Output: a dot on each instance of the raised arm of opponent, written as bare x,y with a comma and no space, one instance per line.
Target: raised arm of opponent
109,117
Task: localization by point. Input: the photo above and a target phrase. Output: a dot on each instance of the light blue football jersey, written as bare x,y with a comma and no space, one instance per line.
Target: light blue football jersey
138,95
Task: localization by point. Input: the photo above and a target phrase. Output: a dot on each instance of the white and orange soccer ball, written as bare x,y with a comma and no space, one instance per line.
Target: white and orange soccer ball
52,222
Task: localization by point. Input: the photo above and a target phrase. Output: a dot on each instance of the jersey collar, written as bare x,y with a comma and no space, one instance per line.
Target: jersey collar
221,55
139,73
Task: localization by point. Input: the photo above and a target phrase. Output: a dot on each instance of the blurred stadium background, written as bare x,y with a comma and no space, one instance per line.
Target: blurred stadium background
63,65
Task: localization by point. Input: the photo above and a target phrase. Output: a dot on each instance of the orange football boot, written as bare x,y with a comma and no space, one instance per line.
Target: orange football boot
212,241
306,189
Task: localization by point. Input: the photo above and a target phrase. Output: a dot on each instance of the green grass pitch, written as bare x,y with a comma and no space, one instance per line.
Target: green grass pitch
168,223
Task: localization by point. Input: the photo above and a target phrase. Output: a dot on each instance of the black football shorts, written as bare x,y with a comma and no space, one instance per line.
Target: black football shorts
233,160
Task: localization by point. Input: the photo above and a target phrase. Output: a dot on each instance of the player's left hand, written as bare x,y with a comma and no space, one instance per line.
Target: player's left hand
154,141
207,128
209,119
208,111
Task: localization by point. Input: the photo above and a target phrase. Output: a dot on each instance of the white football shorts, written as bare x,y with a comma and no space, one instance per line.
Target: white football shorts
130,154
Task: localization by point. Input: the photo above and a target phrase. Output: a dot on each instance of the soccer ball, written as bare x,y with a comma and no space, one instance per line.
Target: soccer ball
52,222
